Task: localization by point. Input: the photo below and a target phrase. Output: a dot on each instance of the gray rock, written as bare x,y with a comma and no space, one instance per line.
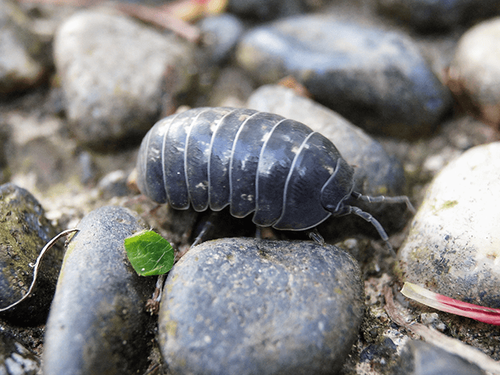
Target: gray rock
474,72
421,358
220,35
376,172
246,306
376,79
23,233
433,15
381,352
266,9
231,89
15,359
114,184
453,247
21,63
117,75
97,322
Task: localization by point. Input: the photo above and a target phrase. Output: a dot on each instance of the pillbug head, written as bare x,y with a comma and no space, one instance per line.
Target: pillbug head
338,187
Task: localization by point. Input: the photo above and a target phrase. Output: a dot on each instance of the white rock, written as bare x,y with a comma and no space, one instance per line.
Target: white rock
453,247
475,70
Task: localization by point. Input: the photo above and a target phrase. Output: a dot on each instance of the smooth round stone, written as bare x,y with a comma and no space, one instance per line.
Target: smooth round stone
248,306
220,35
97,322
432,15
376,172
375,78
21,63
24,231
114,184
116,75
475,70
453,247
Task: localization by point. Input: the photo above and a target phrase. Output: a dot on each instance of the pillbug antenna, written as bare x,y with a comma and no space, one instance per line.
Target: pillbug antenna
384,199
369,218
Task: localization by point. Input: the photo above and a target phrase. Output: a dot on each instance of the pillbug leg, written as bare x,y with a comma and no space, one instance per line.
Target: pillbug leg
258,232
207,225
384,199
316,237
204,229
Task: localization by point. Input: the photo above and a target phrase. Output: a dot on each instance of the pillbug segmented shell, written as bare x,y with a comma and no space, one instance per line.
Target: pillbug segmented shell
290,177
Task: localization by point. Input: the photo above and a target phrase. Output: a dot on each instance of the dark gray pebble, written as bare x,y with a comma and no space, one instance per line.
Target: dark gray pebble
381,352
266,9
114,184
247,306
220,35
421,358
97,322
15,359
376,79
24,230
435,15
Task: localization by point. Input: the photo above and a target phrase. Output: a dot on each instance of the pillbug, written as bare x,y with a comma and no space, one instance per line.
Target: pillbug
290,177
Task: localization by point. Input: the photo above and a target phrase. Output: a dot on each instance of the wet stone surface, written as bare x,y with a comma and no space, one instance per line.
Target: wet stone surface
98,323
24,230
375,78
453,244
246,306
117,76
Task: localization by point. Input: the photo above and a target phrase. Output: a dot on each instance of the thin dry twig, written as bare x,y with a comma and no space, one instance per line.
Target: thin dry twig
37,266
162,18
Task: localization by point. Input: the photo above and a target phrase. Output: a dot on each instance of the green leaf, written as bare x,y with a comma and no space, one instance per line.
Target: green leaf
149,253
